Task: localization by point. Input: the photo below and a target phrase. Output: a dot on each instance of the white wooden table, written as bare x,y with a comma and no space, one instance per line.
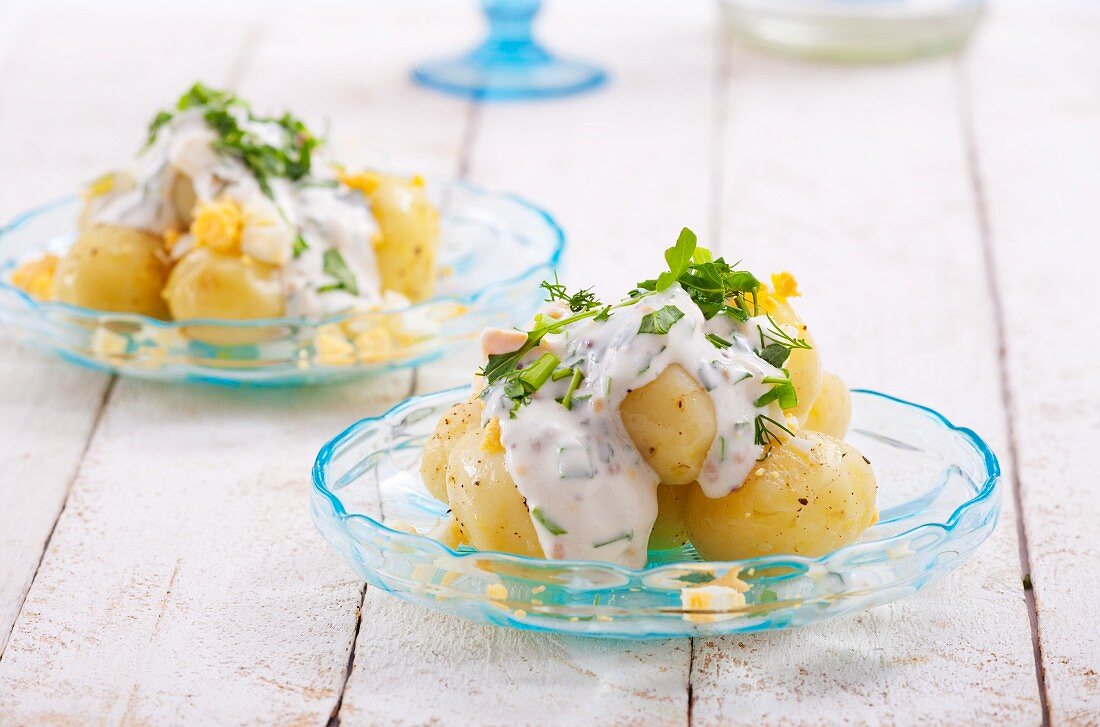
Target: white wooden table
157,561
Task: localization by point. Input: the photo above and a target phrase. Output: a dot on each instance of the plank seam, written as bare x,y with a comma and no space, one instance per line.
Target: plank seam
334,716
989,265
107,391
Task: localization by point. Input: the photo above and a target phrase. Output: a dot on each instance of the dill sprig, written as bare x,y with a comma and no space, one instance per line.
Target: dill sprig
764,436
580,301
776,344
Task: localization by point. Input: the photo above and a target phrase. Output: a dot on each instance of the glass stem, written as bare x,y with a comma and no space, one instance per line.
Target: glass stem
510,38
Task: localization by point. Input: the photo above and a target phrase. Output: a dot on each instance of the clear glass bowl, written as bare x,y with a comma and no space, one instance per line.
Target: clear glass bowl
494,250
938,499
855,30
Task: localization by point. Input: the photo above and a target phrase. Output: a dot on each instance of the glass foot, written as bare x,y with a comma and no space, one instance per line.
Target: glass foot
509,64
473,77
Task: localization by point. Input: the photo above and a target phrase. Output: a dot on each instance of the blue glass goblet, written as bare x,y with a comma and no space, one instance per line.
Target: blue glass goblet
509,65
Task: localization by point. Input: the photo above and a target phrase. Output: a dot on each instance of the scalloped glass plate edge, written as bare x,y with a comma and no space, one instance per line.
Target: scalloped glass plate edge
939,500
478,225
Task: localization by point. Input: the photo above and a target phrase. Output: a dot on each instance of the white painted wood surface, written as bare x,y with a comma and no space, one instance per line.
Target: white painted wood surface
1034,102
933,212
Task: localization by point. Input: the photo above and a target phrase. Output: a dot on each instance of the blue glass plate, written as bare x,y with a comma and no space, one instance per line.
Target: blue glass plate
494,250
938,500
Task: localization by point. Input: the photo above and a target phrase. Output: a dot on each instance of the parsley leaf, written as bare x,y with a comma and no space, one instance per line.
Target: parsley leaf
660,321
678,258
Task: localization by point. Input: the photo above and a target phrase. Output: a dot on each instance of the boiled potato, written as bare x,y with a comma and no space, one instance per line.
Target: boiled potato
409,237
117,269
671,420
455,422
804,364
206,284
670,529
832,410
811,496
485,501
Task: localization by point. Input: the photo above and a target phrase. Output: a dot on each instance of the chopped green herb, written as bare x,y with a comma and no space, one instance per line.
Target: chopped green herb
697,577
551,527
721,449
1027,582
660,321
782,391
567,398
718,341
777,352
223,112
582,300
679,258
561,374
628,535
300,245
764,436
335,267
604,314
535,375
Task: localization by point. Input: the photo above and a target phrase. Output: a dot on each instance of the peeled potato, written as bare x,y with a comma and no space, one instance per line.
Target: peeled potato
117,269
671,420
456,422
409,239
670,529
811,496
804,364
485,501
206,284
832,410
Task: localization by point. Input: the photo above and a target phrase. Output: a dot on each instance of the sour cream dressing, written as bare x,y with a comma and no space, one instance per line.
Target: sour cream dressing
591,493
325,213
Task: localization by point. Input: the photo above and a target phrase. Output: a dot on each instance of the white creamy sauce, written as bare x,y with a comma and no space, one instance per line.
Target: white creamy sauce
325,213
592,495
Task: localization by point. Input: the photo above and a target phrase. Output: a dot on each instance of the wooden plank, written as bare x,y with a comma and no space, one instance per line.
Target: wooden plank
623,169
60,132
185,582
1036,123
855,179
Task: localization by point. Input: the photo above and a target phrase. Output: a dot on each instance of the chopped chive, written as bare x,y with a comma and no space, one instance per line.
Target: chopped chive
560,374
628,535
551,527
535,375
567,399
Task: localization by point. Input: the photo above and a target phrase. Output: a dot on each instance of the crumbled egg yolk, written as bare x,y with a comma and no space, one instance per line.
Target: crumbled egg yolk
490,442
333,347
100,186
785,286
35,278
218,226
374,345
365,182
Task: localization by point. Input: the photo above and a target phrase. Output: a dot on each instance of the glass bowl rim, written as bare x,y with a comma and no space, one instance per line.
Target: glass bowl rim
470,300
987,490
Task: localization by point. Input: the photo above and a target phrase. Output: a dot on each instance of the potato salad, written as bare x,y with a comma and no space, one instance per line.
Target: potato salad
694,410
230,214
